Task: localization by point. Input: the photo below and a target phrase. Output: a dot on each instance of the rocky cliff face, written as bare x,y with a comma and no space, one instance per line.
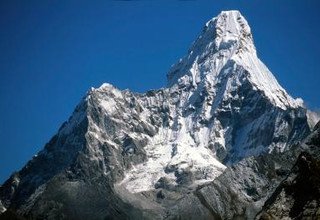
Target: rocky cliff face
153,155
298,195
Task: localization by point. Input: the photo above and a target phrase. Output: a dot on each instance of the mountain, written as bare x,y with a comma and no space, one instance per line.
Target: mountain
196,143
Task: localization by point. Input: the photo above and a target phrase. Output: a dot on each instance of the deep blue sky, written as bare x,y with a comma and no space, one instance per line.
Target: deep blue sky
52,52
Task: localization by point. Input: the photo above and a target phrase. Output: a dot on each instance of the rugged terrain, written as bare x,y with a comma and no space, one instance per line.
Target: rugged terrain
298,195
214,143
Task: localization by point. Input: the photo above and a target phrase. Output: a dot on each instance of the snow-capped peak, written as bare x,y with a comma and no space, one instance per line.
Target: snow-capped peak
224,46
222,105
224,35
231,28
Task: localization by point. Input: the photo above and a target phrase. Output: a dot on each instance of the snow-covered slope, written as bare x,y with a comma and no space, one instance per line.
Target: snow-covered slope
221,105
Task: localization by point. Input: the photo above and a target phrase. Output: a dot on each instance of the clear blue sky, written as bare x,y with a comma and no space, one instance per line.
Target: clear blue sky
52,52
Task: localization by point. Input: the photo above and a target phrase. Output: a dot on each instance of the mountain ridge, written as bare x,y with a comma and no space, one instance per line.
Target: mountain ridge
146,151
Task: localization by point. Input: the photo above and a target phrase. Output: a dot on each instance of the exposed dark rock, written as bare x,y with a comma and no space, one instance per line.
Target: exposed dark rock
298,195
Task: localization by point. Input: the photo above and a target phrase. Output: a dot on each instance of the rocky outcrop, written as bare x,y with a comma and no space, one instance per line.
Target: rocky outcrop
298,196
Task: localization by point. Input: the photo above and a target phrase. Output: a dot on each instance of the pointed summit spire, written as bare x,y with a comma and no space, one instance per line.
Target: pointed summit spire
231,28
224,46
224,35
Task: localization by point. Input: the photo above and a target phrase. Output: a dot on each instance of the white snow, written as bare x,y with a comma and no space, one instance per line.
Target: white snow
142,177
264,80
232,37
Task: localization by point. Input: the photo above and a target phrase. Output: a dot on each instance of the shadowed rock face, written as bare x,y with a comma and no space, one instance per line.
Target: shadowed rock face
298,195
218,139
